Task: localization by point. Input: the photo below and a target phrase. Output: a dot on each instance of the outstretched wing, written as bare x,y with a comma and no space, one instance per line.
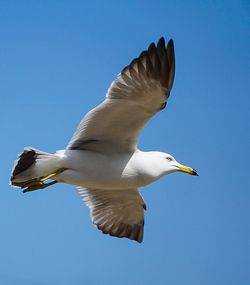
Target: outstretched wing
139,92
118,213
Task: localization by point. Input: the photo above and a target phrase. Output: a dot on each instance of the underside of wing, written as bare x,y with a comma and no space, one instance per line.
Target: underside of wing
119,213
140,91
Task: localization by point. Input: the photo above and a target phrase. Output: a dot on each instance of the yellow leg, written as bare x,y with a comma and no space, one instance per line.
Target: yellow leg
39,186
42,179
37,183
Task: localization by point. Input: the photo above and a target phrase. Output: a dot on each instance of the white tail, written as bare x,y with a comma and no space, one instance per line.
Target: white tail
33,163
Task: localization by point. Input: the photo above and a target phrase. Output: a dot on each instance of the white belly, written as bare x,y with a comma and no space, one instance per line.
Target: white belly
95,170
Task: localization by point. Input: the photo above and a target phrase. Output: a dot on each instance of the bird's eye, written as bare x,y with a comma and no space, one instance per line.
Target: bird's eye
169,158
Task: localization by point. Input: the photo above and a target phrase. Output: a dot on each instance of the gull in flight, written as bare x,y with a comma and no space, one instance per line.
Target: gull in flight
102,159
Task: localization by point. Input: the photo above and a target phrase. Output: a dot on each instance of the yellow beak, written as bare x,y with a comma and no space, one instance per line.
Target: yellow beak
188,170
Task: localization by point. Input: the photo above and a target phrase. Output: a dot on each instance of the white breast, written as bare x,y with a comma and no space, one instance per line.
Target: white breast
95,170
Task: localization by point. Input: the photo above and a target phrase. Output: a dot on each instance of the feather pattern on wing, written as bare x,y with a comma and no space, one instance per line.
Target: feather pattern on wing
140,91
116,212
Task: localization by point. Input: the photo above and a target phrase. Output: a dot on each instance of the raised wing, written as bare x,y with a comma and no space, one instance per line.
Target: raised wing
118,213
139,92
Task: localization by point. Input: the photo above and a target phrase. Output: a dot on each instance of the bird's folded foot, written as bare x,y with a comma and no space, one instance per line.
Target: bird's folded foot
38,183
38,186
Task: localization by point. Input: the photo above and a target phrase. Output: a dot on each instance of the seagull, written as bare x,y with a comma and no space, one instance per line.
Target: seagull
102,158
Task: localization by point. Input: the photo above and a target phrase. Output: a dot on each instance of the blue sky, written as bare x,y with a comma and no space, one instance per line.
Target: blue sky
57,59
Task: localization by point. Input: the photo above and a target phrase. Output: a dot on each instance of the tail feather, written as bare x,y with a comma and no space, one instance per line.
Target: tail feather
26,159
32,163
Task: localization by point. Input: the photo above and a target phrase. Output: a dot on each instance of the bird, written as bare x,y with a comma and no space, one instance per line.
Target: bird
102,159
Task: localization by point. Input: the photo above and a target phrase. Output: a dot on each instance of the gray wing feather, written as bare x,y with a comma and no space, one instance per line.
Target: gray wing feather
118,213
140,91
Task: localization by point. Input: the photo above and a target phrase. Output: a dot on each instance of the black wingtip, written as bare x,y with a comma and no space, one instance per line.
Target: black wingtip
161,41
170,44
171,41
151,47
161,44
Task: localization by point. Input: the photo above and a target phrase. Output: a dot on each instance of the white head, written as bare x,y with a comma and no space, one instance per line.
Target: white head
164,163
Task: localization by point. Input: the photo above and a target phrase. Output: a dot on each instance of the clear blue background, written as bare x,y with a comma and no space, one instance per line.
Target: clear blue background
57,59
